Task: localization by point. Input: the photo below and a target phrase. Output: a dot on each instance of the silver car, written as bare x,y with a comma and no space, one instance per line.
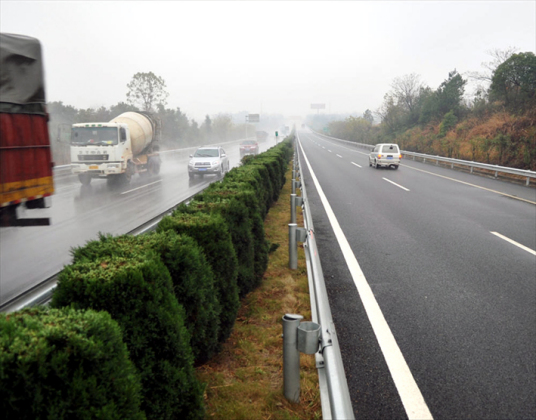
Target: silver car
208,160
385,154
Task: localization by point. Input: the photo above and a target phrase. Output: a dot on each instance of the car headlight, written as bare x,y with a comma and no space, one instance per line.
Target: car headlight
215,163
191,163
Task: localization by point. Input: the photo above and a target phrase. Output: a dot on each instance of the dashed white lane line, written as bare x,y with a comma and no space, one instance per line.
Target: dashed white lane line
394,183
359,166
410,394
339,156
139,188
472,185
329,151
523,247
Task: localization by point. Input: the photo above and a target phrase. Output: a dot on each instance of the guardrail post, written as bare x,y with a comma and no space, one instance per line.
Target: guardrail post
292,208
292,246
291,357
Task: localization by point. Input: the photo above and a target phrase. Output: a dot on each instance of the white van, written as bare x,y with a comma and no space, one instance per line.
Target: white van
385,154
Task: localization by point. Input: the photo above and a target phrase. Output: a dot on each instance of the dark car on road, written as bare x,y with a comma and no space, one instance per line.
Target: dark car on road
249,147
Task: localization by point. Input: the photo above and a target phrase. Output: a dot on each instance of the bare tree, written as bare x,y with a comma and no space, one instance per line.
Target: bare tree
406,91
499,57
147,90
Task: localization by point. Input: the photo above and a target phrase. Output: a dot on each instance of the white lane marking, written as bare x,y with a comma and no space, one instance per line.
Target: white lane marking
143,186
394,183
523,247
329,151
471,185
359,166
408,390
339,156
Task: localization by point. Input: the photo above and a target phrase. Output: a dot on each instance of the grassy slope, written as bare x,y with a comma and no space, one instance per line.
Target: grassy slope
500,138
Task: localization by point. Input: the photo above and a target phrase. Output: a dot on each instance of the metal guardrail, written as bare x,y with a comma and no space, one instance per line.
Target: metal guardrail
42,293
496,169
334,393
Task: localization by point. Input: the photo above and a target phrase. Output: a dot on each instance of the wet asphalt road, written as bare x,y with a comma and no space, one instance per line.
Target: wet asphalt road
29,255
459,300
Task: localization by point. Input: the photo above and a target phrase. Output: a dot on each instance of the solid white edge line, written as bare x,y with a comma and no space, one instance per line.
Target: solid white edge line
523,247
143,186
410,394
394,183
359,166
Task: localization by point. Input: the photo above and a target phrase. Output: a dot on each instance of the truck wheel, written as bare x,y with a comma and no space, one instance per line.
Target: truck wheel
154,167
85,179
111,181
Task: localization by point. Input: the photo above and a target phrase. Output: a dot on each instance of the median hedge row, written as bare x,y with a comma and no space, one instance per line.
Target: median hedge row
172,295
57,364
138,293
193,281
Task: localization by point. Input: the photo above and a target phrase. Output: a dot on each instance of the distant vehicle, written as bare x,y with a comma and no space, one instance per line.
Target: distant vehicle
249,147
261,136
385,154
116,150
208,160
26,177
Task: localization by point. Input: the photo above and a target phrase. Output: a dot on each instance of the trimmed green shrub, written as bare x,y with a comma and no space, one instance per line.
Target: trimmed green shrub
211,232
242,192
239,223
193,281
258,177
138,293
65,364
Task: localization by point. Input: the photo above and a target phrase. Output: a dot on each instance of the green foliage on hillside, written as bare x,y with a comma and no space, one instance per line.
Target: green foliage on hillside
497,126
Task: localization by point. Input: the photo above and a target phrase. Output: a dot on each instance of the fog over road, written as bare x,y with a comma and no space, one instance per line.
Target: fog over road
29,255
459,300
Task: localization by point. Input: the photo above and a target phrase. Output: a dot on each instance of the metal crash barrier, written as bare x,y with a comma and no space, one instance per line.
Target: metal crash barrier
319,336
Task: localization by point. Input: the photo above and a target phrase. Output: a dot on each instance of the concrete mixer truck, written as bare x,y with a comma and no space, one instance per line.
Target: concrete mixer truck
116,150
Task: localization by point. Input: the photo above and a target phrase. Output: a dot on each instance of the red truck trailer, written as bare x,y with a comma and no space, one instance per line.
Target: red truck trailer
25,156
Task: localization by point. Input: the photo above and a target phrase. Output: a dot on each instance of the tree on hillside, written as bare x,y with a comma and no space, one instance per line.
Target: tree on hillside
391,114
447,97
367,115
514,82
147,91
406,90
450,94
498,57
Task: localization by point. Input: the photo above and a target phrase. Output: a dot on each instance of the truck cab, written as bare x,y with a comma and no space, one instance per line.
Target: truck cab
99,150
116,150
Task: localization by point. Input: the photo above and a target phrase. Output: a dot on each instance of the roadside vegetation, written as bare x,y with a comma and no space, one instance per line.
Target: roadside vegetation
132,318
245,380
495,124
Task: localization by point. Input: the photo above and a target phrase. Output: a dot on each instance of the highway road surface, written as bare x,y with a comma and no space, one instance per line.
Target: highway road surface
431,278
29,255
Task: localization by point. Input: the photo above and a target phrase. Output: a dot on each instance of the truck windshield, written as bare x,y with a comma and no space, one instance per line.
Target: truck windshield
84,136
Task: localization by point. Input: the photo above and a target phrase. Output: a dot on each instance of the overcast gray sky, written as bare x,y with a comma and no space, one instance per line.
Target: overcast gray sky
263,57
